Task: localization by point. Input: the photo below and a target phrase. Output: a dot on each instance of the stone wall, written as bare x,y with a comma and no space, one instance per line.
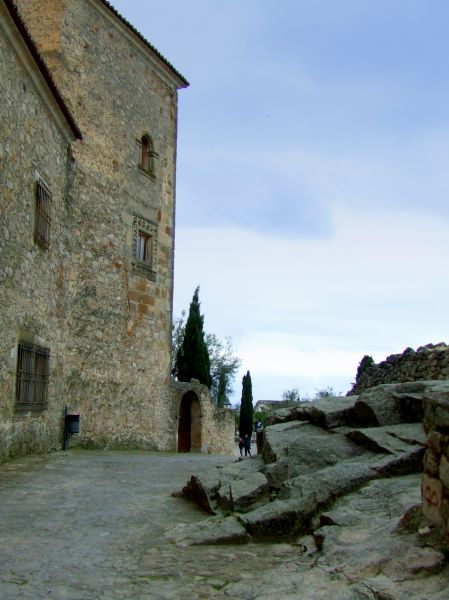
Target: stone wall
430,362
34,287
217,424
435,481
117,357
104,313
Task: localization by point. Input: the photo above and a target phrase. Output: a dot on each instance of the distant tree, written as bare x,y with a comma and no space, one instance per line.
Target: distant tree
178,333
246,406
260,415
366,362
291,395
192,358
328,392
237,416
224,363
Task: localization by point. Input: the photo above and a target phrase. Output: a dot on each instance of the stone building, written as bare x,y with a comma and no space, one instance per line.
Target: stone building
95,298
37,131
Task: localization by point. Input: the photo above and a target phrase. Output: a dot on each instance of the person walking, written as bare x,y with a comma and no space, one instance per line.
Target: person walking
258,428
241,446
247,444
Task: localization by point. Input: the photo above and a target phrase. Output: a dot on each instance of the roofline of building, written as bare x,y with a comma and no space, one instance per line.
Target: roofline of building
181,78
40,63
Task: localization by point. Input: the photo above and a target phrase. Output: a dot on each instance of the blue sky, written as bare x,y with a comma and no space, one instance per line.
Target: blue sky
313,180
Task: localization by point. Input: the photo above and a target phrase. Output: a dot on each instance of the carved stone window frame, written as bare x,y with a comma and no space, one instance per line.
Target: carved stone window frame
148,156
143,226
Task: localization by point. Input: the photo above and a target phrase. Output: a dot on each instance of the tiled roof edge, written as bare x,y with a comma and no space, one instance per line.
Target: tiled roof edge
15,15
146,42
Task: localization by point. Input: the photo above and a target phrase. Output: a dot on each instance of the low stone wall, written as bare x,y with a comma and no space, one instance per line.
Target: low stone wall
428,362
217,425
435,481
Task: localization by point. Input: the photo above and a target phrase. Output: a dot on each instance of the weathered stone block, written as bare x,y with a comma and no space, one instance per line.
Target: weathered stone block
431,462
432,497
435,440
444,471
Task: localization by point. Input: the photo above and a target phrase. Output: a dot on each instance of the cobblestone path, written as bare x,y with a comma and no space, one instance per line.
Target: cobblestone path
82,525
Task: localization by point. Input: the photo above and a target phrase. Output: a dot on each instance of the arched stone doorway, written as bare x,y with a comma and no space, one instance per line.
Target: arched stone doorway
189,424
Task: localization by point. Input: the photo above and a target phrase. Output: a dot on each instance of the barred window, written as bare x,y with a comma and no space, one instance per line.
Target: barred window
43,215
145,247
33,367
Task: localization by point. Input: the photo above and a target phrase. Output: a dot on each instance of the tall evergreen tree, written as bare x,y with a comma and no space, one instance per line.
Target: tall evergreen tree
192,359
246,406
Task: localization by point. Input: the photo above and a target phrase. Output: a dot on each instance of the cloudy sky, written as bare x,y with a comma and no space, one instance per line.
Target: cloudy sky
313,180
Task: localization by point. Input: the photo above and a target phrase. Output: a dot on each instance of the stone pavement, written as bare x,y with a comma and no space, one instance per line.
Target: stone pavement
88,525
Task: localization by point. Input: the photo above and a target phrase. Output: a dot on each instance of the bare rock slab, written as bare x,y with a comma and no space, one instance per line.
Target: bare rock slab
390,439
234,487
361,537
326,413
303,448
377,407
214,530
408,402
308,494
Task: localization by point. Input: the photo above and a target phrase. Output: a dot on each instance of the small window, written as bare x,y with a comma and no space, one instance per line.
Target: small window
33,367
147,155
146,161
144,247
43,215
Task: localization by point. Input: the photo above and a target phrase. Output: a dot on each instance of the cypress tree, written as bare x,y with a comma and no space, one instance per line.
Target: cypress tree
192,359
246,406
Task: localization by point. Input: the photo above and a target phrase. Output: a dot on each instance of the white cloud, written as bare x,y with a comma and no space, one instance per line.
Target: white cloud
312,178
281,354
316,307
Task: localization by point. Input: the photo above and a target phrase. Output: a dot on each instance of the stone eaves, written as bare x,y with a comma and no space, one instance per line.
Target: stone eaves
182,79
42,67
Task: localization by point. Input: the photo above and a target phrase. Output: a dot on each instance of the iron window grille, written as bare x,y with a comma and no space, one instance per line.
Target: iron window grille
33,368
144,258
43,215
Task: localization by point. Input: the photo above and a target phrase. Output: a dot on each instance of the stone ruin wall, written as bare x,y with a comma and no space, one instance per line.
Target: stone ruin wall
427,363
435,481
218,431
217,424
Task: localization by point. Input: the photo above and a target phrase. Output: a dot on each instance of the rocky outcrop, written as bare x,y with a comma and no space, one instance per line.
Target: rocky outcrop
337,489
315,453
320,412
235,487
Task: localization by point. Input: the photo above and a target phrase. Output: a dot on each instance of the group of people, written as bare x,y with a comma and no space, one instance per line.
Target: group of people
245,442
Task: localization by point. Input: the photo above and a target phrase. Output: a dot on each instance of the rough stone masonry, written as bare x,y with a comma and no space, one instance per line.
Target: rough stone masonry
435,482
96,301
426,363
